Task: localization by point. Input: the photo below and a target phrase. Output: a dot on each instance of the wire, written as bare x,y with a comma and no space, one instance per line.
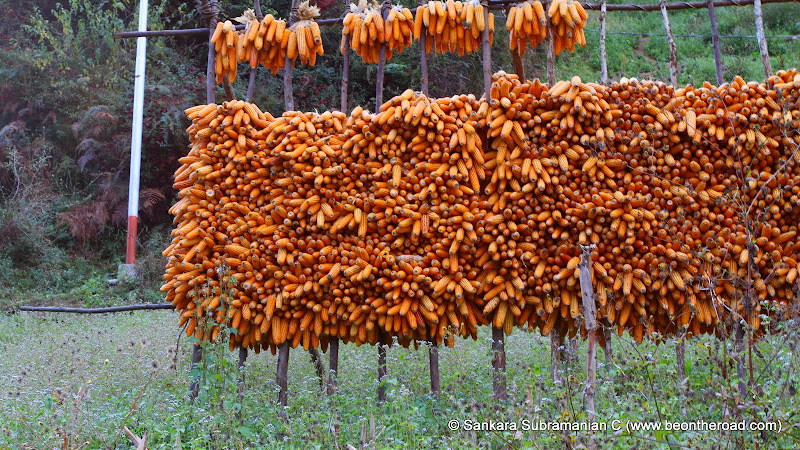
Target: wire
728,36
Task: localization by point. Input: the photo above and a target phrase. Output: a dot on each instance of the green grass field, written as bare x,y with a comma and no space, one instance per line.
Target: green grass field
76,380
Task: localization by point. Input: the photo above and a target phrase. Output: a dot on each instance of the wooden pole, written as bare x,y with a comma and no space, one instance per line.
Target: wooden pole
433,357
288,96
433,351
516,59
486,51
551,52
590,315
381,62
423,59
344,88
282,374
381,369
680,361
673,52
499,364
197,356
210,10
213,11
498,340
253,70
556,341
715,40
333,371
603,59
240,366
345,73
762,40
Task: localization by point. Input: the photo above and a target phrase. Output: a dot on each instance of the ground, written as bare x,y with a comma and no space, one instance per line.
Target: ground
77,379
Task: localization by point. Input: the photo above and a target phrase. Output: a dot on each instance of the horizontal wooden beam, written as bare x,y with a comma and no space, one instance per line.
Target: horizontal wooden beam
494,4
110,309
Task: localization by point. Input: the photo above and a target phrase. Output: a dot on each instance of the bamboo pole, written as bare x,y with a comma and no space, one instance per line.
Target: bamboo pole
253,70
762,40
240,366
556,341
673,52
590,315
603,58
715,41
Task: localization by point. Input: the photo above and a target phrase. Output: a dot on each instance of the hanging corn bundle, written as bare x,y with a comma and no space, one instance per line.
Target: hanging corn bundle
305,39
226,45
569,20
452,26
367,30
527,25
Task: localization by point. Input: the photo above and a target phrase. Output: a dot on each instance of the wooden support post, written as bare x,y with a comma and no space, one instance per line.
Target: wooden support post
556,341
762,40
282,374
680,361
516,58
423,58
381,369
345,73
211,75
499,364
486,51
590,315
433,358
288,96
603,58
673,52
715,40
197,356
381,61
740,372
551,51
333,370
252,81
240,366
607,348
319,366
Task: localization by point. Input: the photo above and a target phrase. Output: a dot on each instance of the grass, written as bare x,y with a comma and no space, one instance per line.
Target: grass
79,379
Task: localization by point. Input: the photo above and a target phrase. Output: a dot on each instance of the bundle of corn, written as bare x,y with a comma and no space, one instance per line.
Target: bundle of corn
526,24
367,30
569,19
226,45
265,42
305,40
453,26
432,217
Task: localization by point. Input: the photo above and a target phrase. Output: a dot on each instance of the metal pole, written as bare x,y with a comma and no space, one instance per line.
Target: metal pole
136,139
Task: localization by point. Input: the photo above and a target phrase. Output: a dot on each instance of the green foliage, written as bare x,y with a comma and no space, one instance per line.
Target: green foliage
82,378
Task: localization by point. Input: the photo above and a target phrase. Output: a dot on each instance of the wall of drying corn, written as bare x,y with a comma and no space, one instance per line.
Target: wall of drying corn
436,216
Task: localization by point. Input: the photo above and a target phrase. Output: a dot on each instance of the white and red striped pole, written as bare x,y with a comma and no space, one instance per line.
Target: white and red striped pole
136,137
